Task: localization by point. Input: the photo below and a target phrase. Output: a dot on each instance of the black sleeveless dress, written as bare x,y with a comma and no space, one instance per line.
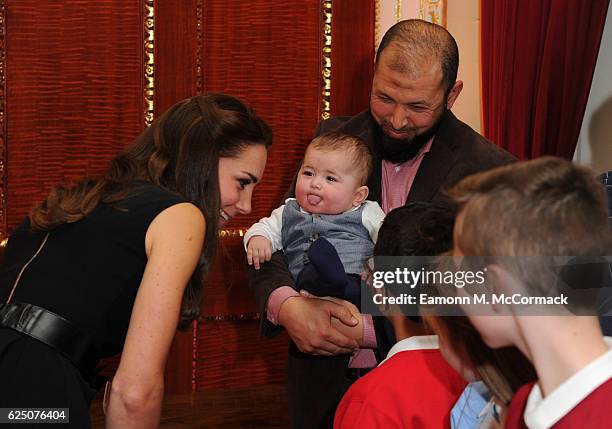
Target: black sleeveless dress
87,272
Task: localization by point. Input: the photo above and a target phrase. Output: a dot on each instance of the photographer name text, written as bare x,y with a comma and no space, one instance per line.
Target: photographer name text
484,298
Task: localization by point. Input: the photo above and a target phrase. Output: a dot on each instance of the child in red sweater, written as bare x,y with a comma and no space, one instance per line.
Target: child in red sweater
537,208
414,387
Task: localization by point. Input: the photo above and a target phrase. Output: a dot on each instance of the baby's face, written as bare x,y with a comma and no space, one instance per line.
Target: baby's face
327,182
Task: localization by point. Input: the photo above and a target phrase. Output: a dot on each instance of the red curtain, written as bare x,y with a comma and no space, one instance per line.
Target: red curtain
538,59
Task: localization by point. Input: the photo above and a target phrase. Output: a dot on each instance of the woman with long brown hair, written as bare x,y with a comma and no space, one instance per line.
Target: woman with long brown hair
114,264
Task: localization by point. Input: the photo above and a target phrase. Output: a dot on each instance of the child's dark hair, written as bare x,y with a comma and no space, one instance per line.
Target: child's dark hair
416,229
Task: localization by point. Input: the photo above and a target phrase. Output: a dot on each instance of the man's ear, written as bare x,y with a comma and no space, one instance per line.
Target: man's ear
360,195
453,94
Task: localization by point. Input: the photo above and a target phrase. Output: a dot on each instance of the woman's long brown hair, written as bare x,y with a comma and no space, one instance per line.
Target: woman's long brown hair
179,152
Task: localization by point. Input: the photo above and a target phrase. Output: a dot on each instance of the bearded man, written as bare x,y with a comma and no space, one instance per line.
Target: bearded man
419,149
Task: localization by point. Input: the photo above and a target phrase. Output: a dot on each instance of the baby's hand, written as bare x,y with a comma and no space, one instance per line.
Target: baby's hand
259,250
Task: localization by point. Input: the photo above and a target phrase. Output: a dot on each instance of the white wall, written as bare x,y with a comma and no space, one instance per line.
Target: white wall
463,22
387,15
595,141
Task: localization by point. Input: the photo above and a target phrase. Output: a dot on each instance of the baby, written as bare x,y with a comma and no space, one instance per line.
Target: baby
328,230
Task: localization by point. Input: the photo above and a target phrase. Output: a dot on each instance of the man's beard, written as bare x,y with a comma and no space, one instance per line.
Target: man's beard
398,151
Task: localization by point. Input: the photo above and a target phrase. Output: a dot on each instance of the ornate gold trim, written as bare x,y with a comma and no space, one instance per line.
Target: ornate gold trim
199,38
232,232
433,11
3,219
398,10
149,62
229,317
326,60
194,356
199,90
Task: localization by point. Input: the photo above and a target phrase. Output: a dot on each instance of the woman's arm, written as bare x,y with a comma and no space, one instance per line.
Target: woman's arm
173,244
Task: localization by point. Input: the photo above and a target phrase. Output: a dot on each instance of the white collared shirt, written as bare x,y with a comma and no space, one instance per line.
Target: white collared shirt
417,342
542,413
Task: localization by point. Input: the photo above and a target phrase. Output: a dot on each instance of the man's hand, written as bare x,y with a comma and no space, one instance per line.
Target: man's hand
259,250
356,331
308,322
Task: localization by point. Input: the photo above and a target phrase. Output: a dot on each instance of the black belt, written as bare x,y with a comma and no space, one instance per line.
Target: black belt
54,331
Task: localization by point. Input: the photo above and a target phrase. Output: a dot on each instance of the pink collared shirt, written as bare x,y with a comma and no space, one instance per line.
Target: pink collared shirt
397,179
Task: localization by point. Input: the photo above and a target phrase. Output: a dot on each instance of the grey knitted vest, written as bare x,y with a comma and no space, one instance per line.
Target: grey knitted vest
344,231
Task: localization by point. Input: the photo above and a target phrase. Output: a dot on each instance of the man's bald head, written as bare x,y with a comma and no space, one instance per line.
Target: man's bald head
418,45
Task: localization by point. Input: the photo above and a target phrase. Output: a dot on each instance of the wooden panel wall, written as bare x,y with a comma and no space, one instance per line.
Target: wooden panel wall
74,92
75,73
247,50
175,72
352,56
267,54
